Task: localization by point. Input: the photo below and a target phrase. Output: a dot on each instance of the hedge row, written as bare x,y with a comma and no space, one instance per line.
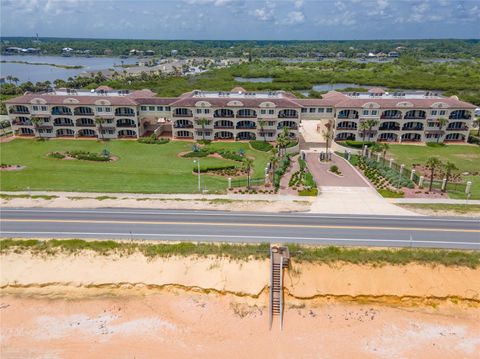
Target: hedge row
204,169
261,146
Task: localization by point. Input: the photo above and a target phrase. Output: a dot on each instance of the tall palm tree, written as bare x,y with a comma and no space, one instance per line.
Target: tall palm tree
476,123
262,124
16,80
248,164
36,124
282,141
432,164
203,122
328,134
99,121
363,129
449,167
9,78
442,122
371,123
274,162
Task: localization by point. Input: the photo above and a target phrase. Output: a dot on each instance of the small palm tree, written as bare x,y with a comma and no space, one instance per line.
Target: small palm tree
262,124
432,164
449,167
371,123
248,164
380,147
36,124
16,80
99,121
442,122
363,129
203,122
274,162
9,78
328,134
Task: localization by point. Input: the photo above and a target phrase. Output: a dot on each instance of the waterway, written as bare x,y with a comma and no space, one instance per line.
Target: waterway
36,73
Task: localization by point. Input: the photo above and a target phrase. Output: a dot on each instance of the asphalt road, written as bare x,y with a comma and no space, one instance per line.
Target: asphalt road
379,231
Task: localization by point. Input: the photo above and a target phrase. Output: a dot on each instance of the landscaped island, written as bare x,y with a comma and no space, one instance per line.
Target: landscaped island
42,63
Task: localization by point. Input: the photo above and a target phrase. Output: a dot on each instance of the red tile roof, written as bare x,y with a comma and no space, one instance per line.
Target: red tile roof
82,100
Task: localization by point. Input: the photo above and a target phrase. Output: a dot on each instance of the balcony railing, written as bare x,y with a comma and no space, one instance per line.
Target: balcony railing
224,116
182,126
246,116
82,124
288,116
388,117
463,128
126,125
223,127
77,113
347,117
17,112
62,124
414,118
21,123
246,127
389,128
416,128
343,128
183,115
61,113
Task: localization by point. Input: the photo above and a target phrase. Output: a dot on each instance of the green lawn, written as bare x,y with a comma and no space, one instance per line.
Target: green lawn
465,157
141,168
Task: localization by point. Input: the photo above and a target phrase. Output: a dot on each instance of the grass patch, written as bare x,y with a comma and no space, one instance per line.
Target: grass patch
300,253
440,207
140,169
390,194
13,196
261,146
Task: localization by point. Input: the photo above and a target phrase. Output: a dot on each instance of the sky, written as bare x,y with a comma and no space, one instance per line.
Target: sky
242,19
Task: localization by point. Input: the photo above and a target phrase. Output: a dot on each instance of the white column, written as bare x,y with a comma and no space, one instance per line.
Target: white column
444,184
390,164
378,157
412,174
420,181
229,182
402,167
468,187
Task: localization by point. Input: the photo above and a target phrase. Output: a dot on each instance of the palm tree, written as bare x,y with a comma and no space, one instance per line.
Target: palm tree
16,80
328,134
203,122
99,121
371,123
36,124
476,123
3,125
262,124
432,164
274,162
380,147
248,164
448,167
9,78
441,124
363,129
282,141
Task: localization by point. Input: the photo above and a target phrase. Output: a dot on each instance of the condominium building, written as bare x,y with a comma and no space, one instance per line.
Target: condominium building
239,115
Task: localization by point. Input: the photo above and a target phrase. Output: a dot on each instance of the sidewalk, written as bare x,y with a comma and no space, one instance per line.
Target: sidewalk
433,200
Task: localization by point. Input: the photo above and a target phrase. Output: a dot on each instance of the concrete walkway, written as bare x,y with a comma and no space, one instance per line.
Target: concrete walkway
355,200
434,200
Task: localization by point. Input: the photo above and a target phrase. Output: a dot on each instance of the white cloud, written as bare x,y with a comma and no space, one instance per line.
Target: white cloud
292,18
297,4
263,14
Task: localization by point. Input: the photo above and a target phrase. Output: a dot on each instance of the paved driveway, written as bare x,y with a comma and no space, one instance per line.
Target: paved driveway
319,170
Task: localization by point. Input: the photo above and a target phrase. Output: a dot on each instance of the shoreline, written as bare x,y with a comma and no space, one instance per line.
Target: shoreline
67,67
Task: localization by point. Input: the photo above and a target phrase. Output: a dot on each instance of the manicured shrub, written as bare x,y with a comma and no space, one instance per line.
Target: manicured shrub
88,156
152,140
204,169
261,146
335,169
229,155
357,144
308,192
56,155
201,153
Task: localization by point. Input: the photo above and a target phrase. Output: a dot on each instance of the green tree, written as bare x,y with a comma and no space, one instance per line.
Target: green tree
248,164
371,123
36,124
363,129
274,162
442,122
449,167
432,164
3,125
262,124
476,123
99,121
203,122
328,134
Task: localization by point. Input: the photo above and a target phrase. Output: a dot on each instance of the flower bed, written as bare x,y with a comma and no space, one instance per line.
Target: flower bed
381,176
83,155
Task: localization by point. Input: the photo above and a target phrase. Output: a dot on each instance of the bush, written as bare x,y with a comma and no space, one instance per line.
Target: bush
261,146
334,169
152,140
390,194
56,155
88,156
357,144
434,144
474,139
204,169
308,192
201,153
280,171
229,155
292,143
204,142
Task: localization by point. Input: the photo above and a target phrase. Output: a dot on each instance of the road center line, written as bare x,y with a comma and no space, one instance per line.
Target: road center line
258,225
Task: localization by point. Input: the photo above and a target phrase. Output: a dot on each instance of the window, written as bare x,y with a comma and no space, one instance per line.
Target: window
271,123
321,110
304,110
110,120
167,108
199,110
207,110
99,109
44,108
143,108
329,110
312,109
159,108
108,109
45,120
35,108
442,113
151,108
434,112
374,112
271,112
263,112
365,112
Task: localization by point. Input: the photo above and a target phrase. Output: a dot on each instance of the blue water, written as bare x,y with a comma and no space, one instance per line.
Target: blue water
253,79
36,73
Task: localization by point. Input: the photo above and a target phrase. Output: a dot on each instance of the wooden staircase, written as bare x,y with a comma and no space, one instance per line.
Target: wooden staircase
279,259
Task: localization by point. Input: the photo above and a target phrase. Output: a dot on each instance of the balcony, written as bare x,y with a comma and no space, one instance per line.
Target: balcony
223,127
245,127
19,112
126,125
63,124
346,128
182,115
389,128
21,123
414,118
416,128
463,128
391,117
182,126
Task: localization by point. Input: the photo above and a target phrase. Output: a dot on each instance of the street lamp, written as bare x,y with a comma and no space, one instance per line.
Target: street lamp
198,172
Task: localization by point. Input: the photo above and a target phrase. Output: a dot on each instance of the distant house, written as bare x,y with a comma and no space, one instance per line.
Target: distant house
393,54
174,52
149,53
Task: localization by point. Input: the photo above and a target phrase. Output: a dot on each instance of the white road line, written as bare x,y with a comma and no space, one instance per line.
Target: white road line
319,239
232,214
